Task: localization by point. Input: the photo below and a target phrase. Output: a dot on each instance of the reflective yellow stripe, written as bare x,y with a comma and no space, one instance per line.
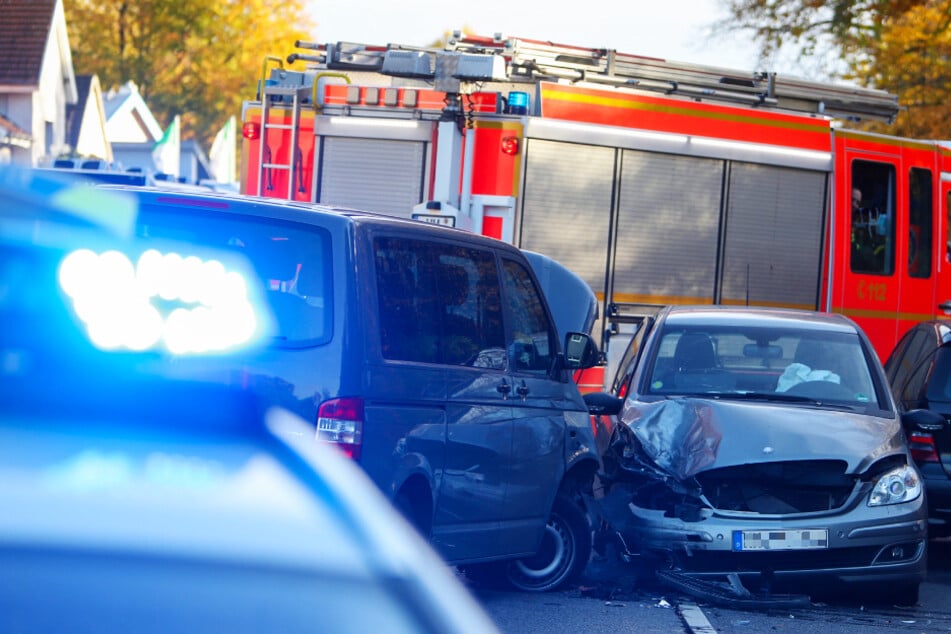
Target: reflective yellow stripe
633,298
630,104
866,313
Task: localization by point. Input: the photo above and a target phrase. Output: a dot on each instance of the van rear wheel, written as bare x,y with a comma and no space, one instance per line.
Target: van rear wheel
564,551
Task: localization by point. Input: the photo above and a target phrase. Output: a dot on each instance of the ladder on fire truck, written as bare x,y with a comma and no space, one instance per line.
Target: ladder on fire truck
273,95
533,59
514,60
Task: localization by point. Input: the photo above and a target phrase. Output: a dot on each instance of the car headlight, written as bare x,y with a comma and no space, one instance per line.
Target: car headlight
897,486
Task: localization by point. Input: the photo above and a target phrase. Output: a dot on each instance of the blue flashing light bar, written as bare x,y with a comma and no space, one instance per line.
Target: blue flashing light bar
184,303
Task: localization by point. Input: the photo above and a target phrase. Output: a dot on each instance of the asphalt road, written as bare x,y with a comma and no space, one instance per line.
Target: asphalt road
613,598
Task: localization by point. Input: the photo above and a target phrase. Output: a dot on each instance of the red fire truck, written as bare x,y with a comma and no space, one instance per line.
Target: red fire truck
658,182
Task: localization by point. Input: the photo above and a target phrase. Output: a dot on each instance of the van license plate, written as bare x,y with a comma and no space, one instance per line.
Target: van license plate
810,539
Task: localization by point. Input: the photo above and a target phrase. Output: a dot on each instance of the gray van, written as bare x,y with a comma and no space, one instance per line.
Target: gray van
426,353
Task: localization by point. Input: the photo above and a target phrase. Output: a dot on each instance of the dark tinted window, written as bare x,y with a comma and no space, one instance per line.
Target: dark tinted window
897,355
916,382
438,303
939,386
291,260
920,219
532,343
912,347
628,364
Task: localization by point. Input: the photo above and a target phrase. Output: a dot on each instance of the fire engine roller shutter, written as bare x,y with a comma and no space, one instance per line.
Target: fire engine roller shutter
773,236
668,225
381,175
566,208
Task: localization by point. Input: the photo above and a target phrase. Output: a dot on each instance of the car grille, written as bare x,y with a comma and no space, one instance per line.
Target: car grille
715,561
778,488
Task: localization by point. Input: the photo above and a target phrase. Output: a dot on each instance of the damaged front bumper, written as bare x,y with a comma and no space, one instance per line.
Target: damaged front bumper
776,496
860,545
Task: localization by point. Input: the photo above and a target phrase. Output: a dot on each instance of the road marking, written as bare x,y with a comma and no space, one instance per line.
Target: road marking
694,618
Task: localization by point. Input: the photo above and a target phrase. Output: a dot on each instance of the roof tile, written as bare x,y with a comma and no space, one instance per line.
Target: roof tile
25,27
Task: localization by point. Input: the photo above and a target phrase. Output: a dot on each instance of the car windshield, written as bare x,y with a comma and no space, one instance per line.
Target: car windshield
743,362
292,263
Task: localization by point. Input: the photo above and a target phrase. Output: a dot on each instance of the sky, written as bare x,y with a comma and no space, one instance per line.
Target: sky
675,30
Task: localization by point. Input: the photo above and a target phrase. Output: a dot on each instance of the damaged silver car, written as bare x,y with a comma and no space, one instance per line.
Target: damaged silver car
762,447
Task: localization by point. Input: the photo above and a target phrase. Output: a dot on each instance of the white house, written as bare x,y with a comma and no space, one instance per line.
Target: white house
86,121
36,81
47,112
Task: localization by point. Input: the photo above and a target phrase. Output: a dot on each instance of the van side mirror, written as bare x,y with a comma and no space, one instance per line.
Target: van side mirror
580,351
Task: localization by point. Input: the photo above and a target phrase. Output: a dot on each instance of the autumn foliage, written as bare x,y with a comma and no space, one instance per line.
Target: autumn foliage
199,59
902,46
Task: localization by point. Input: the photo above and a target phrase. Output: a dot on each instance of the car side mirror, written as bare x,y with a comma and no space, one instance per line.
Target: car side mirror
580,351
924,420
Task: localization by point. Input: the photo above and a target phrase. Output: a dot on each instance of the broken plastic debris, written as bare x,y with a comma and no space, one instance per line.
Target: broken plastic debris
663,603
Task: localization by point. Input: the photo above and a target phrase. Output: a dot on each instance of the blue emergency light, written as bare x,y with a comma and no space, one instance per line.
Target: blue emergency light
184,303
517,103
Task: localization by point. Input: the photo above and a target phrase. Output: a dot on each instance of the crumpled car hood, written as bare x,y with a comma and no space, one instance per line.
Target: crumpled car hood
689,435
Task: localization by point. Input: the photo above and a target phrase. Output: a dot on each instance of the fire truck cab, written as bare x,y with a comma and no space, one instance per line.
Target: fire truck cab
657,182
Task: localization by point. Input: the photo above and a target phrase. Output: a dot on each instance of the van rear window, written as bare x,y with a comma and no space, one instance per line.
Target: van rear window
292,262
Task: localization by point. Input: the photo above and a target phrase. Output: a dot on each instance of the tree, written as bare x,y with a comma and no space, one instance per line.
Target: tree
198,59
902,46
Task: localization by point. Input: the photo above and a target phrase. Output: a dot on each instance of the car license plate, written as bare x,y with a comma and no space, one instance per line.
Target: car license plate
435,219
808,539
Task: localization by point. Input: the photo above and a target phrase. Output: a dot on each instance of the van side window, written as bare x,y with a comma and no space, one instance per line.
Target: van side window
532,337
473,331
438,304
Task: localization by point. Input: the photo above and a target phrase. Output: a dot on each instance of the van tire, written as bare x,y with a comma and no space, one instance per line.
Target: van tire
563,554
410,510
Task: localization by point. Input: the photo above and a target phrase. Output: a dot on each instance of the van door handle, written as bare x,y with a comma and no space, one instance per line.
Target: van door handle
504,389
522,390
945,305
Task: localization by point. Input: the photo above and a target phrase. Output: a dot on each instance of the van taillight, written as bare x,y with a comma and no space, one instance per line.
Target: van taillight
922,447
340,421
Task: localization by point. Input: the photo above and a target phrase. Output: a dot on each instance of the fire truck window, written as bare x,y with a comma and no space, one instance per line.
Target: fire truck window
920,221
873,218
947,238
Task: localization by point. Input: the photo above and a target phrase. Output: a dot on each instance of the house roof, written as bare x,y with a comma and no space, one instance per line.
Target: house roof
74,112
12,134
125,108
25,27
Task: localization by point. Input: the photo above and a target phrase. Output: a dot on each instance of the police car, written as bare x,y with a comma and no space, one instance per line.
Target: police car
147,503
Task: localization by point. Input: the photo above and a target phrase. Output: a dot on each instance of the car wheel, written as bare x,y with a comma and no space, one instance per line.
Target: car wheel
564,552
410,511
